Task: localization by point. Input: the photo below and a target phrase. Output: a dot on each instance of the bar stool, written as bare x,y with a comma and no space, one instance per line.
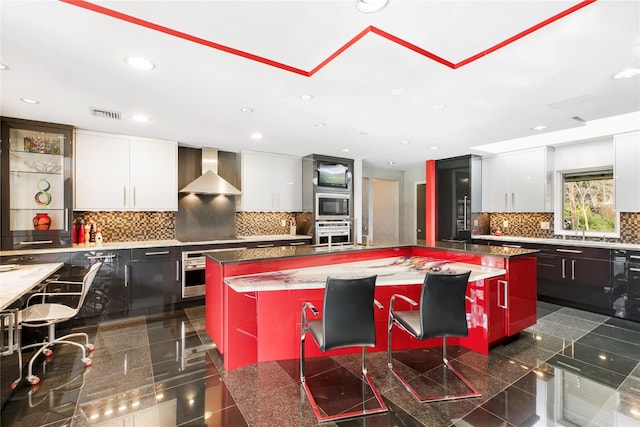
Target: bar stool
41,311
442,314
347,321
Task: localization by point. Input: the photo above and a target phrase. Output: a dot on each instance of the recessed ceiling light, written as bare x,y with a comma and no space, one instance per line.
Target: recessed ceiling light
3,67
306,97
139,63
396,91
434,147
539,128
370,6
320,125
140,118
430,127
439,107
405,142
345,150
246,110
391,163
29,101
627,74
361,133
256,136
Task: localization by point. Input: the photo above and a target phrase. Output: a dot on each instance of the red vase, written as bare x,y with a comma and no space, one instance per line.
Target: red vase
41,221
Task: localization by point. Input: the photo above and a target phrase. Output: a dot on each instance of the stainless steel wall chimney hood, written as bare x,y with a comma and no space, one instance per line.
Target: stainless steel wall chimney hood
210,182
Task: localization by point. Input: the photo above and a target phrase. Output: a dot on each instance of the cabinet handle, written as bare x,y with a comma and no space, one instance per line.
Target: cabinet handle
465,214
512,246
296,243
505,293
124,196
36,242
134,195
177,270
66,219
126,275
637,270
564,275
266,245
506,201
102,257
513,201
569,251
573,269
157,253
634,256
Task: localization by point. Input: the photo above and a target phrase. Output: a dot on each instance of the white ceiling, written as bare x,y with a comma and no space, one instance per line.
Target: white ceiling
71,58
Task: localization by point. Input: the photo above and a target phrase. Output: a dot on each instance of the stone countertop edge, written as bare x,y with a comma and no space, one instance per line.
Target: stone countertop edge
141,244
567,242
236,283
263,254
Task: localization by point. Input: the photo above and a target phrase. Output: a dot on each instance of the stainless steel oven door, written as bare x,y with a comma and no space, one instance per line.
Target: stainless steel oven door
193,274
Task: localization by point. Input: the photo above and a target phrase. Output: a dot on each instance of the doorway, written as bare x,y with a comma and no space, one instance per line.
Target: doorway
386,211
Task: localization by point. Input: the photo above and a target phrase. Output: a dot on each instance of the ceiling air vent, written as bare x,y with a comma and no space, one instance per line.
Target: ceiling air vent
106,114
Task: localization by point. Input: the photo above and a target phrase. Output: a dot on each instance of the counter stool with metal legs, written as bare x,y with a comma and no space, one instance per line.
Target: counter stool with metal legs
45,309
442,314
347,321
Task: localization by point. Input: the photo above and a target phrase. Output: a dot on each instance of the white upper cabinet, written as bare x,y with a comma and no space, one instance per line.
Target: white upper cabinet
518,181
627,171
122,173
270,182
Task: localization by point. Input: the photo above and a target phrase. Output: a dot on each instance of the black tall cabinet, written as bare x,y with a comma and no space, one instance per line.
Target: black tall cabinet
36,184
458,197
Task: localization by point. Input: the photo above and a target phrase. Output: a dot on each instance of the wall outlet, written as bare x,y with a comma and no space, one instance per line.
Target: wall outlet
475,222
505,224
283,223
544,225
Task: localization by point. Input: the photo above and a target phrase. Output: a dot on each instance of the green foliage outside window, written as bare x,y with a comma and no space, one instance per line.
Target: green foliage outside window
588,202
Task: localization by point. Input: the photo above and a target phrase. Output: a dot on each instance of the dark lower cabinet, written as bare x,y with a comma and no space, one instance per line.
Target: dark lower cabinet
110,294
154,278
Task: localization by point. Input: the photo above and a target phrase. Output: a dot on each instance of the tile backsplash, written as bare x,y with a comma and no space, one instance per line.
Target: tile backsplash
528,225
138,226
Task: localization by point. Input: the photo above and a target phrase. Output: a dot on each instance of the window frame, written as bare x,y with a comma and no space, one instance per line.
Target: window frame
558,210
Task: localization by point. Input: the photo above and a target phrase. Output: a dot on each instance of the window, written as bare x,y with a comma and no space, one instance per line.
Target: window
587,202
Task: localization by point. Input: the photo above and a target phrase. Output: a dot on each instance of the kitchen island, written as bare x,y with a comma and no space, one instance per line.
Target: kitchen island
254,296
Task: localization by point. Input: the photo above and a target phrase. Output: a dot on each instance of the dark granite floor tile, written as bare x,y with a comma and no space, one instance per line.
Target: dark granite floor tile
394,416
514,405
601,357
110,342
623,323
420,360
572,321
543,305
619,333
481,418
528,349
530,381
256,381
426,414
577,367
313,366
585,315
556,329
122,326
613,345
495,364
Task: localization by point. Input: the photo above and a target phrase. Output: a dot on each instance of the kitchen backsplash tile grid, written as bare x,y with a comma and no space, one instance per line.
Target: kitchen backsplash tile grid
131,226
528,225
270,223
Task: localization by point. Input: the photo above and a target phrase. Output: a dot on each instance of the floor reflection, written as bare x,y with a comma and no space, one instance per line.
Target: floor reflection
572,368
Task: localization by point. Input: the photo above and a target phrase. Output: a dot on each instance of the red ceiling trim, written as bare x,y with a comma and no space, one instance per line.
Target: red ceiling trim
175,33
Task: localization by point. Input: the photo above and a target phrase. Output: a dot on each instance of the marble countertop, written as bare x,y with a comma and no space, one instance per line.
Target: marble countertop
17,282
390,271
567,242
156,243
261,254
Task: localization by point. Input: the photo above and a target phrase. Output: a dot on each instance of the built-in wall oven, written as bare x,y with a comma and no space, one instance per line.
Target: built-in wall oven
332,232
193,273
333,206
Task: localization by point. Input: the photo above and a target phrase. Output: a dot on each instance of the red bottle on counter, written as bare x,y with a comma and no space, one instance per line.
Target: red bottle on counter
74,233
81,232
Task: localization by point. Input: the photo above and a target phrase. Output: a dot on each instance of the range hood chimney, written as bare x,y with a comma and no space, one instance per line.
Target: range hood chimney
210,182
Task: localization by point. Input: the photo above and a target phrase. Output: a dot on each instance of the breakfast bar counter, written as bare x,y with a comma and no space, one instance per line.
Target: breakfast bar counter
16,280
254,296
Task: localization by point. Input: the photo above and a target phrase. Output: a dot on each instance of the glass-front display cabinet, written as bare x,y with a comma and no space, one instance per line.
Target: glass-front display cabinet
36,184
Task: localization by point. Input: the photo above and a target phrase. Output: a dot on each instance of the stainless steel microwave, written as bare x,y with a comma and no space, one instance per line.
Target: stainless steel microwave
333,206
